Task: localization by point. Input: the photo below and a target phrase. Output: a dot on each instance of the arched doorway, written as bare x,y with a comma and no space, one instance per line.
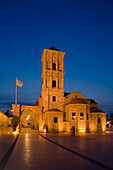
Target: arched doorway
28,121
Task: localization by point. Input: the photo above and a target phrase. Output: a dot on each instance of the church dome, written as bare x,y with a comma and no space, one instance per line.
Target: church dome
78,101
75,95
76,98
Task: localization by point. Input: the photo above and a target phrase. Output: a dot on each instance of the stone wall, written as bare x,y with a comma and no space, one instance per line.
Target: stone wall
4,121
49,121
22,111
94,125
79,122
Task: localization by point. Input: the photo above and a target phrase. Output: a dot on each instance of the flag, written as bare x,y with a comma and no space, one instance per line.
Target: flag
19,83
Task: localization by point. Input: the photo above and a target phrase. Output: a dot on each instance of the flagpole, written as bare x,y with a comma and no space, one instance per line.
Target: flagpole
16,93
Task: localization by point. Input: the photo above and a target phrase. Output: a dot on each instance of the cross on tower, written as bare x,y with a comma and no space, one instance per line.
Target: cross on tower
53,43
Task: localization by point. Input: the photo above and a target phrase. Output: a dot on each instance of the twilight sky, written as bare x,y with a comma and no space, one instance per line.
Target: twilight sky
81,28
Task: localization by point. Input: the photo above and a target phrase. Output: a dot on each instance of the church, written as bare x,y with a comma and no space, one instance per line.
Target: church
57,111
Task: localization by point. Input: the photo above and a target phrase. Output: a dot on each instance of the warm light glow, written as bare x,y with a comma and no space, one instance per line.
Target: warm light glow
81,130
15,132
27,117
44,130
27,151
60,127
26,135
103,129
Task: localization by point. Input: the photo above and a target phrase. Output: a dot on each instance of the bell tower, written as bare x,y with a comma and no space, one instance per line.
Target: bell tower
52,79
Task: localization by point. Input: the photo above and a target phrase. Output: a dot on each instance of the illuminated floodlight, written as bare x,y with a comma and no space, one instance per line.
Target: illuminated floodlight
15,132
27,117
82,130
44,130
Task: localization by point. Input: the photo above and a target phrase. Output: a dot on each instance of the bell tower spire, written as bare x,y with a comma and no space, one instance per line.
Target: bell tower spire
52,78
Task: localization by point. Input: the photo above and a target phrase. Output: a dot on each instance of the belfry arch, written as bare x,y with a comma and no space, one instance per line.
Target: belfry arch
28,119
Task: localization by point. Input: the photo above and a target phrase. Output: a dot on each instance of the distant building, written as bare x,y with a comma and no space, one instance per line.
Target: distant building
110,121
57,111
111,115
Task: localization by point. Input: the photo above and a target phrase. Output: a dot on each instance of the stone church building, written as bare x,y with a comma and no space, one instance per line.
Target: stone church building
57,111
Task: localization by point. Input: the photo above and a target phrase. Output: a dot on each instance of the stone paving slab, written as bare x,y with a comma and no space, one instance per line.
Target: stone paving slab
6,140
33,152
97,147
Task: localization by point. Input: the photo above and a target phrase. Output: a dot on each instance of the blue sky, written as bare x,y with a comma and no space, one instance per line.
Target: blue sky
81,28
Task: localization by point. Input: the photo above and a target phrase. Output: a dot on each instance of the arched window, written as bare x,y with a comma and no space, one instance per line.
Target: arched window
55,120
73,115
54,98
87,116
54,66
53,83
42,109
81,116
99,120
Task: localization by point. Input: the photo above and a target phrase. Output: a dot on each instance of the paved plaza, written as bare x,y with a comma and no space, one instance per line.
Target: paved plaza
33,151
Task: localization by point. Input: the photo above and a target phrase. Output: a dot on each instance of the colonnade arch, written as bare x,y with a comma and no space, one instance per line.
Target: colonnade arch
28,119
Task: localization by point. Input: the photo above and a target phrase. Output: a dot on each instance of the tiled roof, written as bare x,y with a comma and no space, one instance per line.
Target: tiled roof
65,94
95,109
91,101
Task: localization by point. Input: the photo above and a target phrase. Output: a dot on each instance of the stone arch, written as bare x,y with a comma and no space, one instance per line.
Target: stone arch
28,116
